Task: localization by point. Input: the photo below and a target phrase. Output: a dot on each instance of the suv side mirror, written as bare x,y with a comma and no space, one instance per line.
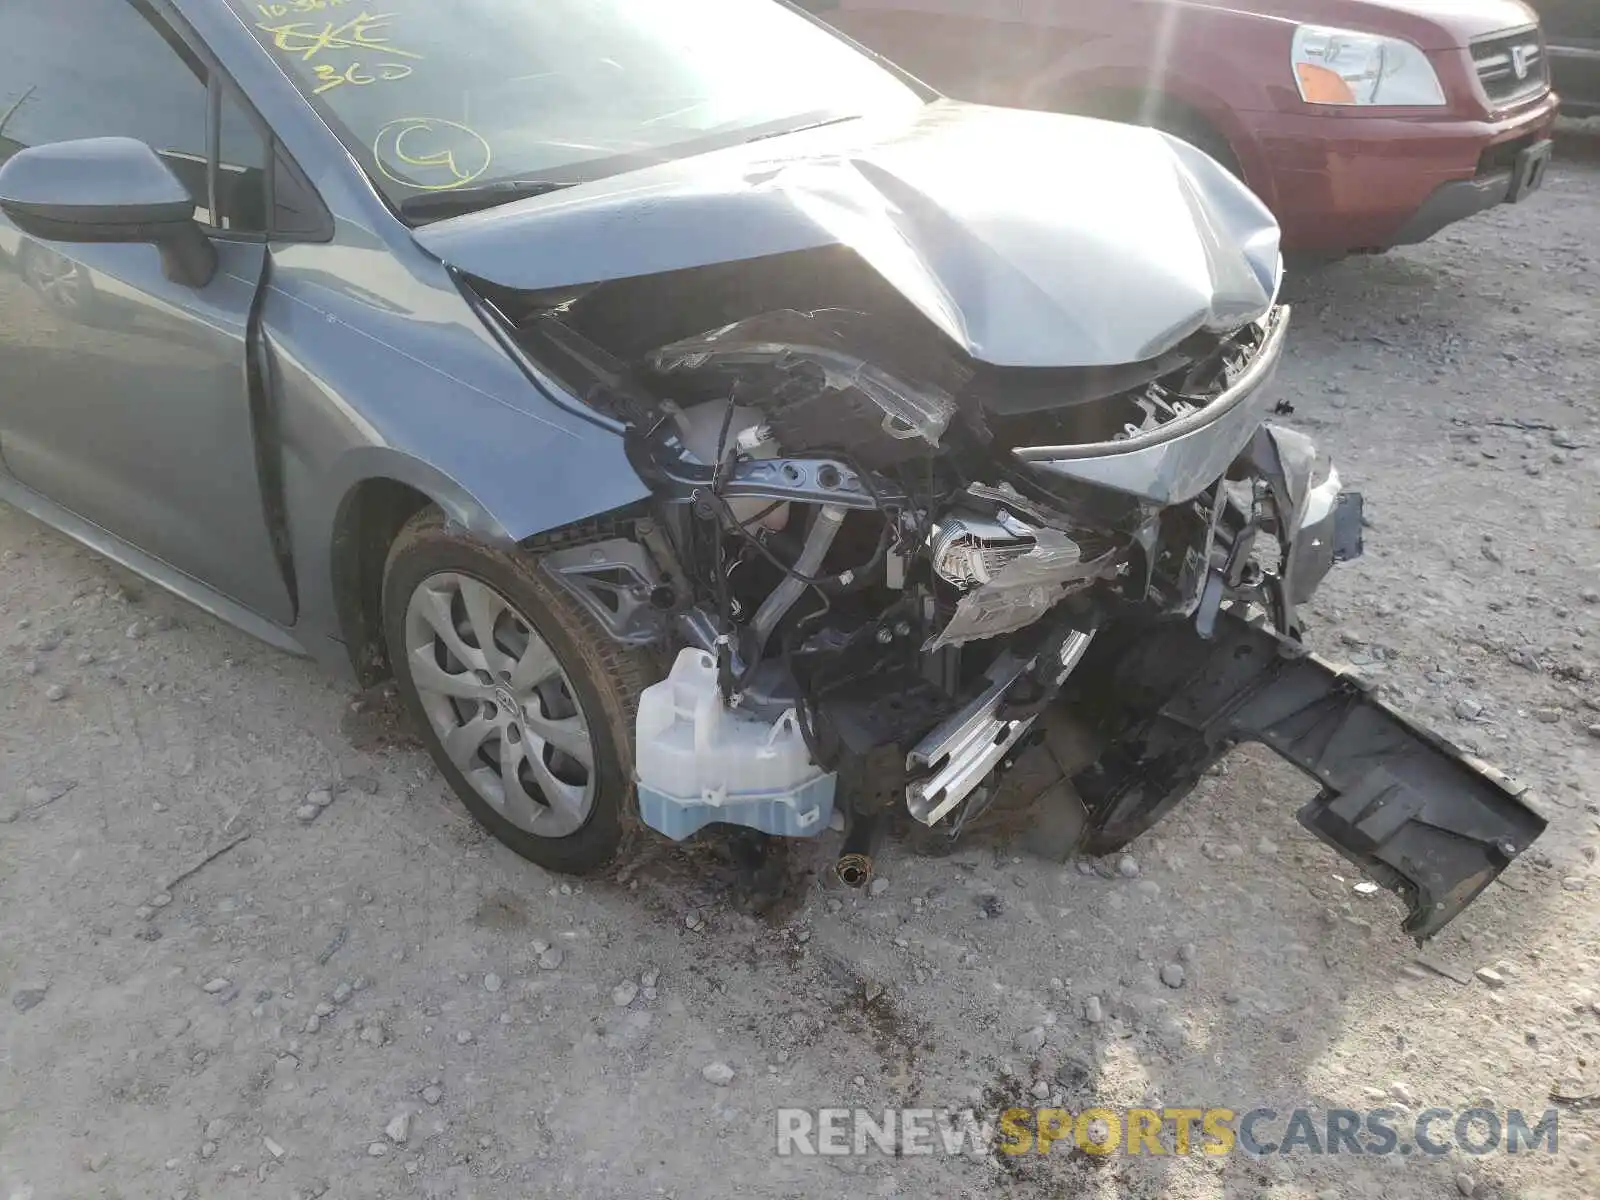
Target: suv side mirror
107,190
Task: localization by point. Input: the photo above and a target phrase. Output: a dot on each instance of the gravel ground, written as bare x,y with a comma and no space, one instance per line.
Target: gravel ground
368,998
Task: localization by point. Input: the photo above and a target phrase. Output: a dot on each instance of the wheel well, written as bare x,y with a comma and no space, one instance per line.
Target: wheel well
1162,111
374,513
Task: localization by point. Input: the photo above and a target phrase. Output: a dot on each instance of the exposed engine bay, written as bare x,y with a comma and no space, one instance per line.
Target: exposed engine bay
878,554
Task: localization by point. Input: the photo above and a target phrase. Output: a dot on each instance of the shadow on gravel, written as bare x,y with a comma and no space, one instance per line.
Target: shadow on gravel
1289,971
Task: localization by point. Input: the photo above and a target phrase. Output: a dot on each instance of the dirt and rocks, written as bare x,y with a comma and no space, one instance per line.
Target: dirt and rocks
249,946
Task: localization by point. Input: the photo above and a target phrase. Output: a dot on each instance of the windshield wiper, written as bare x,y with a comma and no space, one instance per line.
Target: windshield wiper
455,201
469,199
772,133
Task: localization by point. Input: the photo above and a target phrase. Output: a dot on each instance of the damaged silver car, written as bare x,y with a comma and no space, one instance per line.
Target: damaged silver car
708,427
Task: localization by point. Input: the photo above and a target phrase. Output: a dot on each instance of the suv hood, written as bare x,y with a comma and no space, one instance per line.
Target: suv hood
1030,239
1429,24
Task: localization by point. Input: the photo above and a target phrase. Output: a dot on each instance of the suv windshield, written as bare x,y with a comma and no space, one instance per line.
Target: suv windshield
441,96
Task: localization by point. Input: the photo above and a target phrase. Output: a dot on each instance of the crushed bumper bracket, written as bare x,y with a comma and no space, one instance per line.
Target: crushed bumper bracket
1424,818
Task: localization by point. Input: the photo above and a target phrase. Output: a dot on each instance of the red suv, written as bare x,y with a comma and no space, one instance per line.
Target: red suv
1363,124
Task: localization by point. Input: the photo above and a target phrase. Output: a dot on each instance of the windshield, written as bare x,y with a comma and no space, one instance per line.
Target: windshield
436,96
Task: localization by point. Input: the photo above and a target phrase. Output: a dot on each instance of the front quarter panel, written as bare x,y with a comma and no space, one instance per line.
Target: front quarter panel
378,368
374,367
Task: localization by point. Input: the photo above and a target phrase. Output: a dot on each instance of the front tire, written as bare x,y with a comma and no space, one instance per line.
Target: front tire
525,703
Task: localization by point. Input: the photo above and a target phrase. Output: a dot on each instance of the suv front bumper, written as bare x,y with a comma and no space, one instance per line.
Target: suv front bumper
1341,182
1462,198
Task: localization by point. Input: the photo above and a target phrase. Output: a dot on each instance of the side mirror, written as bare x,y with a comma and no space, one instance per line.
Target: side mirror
107,190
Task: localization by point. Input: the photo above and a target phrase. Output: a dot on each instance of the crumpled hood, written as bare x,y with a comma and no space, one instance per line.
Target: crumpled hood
1031,239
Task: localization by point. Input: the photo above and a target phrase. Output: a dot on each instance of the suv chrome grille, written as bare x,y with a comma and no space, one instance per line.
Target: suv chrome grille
1512,66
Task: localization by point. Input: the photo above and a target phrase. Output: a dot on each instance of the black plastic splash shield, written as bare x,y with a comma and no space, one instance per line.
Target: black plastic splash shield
1421,816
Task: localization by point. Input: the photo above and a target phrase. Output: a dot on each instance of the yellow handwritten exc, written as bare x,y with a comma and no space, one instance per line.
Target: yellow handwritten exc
307,39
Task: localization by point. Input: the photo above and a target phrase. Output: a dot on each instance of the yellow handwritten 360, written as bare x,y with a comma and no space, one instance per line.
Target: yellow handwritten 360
332,77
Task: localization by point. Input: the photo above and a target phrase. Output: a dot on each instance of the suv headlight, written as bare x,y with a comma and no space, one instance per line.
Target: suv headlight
1341,66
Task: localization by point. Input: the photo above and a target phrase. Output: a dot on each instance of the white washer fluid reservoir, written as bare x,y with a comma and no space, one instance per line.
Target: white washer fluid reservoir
699,761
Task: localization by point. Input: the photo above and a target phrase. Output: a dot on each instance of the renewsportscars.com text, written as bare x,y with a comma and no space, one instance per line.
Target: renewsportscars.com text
1256,1132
